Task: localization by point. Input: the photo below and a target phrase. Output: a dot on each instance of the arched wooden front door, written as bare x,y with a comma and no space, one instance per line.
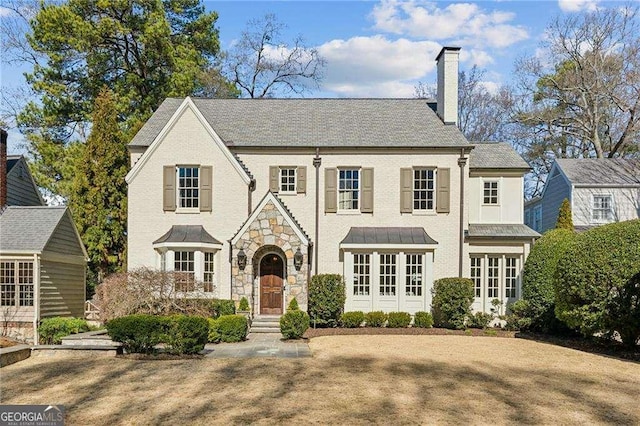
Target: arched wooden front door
271,284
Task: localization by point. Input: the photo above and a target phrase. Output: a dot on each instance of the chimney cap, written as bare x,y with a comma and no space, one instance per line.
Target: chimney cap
448,49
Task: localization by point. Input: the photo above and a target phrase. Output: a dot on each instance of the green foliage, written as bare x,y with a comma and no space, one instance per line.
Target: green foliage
293,305
375,319
326,299
137,333
243,305
294,323
228,329
565,218
598,282
52,330
423,320
223,307
185,334
352,319
452,299
399,319
538,282
479,320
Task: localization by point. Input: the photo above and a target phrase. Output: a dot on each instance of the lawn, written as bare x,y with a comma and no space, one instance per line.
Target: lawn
349,380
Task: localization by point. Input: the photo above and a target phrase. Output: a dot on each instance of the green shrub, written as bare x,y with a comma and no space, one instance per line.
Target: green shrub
243,305
479,320
399,319
452,299
326,299
294,323
598,282
375,319
423,319
519,316
52,330
138,333
293,305
538,282
565,218
352,319
223,307
228,329
185,334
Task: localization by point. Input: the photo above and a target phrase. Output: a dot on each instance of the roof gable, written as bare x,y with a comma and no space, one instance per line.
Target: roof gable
21,187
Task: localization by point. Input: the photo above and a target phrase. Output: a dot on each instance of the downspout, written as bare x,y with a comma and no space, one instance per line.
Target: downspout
317,161
462,161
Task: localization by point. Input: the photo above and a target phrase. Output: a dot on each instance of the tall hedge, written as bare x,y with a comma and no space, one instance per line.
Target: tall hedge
538,278
326,299
598,282
452,299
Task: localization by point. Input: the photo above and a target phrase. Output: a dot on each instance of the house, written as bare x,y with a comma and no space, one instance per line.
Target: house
600,191
254,196
42,258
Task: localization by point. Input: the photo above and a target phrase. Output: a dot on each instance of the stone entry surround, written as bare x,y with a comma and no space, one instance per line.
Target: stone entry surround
269,232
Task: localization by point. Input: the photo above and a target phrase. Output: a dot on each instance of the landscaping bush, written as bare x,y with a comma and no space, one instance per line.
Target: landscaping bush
293,305
423,320
375,319
352,319
452,299
228,329
399,319
294,323
326,299
223,307
598,282
479,320
538,282
52,330
137,333
185,334
243,305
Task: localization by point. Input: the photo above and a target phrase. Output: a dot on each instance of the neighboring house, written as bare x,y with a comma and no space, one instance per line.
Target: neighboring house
42,258
600,191
254,196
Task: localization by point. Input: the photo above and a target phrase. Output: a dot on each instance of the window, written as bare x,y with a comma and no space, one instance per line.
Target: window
17,277
349,189
493,278
288,180
414,275
510,278
361,274
537,218
490,192
423,189
188,187
184,264
476,275
602,208
208,272
388,274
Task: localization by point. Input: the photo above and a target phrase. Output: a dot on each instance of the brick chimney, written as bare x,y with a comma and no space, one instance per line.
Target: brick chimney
3,168
447,61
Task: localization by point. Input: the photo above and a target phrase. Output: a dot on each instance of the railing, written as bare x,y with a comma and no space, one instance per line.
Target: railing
91,311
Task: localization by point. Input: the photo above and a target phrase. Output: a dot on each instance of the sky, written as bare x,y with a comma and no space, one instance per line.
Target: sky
384,48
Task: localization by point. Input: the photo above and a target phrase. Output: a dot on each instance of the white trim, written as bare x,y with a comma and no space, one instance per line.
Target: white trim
370,247
187,103
177,246
270,197
18,253
612,210
295,180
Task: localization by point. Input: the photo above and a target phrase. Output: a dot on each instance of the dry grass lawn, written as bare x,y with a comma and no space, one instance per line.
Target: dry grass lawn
349,380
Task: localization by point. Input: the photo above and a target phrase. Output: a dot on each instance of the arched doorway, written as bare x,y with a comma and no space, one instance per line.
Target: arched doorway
271,284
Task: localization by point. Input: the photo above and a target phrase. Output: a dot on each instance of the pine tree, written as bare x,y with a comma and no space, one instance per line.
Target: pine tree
565,220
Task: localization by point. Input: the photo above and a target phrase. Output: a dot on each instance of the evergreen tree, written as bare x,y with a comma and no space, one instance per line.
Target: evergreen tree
565,219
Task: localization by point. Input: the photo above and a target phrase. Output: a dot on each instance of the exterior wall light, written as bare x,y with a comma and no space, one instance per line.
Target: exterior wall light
242,260
298,258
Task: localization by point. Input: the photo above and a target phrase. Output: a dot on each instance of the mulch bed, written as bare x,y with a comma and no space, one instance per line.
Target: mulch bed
595,346
6,343
490,332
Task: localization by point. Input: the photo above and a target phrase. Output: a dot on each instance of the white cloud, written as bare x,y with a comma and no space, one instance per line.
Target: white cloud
577,5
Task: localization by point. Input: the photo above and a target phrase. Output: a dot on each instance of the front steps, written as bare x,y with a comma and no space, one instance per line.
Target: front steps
265,324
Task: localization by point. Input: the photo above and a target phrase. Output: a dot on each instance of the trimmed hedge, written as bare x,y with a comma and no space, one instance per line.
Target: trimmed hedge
375,319
399,319
479,320
598,282
294,323
185,334
228,329
52,330
423,320
452,299
138,333
326,299
352,319
223,307
244,304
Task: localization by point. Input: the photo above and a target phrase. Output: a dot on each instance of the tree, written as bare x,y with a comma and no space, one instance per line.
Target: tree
565,217
261,64
99,193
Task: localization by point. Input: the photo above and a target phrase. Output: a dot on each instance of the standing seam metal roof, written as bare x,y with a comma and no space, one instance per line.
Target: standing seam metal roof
387,235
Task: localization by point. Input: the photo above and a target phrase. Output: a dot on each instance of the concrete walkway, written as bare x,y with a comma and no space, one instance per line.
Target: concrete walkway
260,345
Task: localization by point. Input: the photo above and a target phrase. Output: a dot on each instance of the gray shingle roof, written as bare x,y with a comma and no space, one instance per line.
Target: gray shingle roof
601,171
501,231
496,155
390,235
315,123
28,228
187,234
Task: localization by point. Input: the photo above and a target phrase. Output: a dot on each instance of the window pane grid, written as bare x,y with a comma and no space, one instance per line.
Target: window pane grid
493,277
414,275
510,277
184,265
423,189
287,180
349,189
208,272
188,187
25,281
7,284
476,275
387,275
602,207
491,193
361,274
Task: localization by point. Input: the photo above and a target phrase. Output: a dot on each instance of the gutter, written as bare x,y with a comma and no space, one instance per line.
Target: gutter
317,161
462,161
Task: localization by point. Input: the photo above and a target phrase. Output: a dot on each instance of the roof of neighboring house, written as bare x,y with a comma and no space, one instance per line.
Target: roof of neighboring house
187,234
496,155
516,231
314,123
28,228
600,171
388,235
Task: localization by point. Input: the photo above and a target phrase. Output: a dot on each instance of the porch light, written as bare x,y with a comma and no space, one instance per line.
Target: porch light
297,259
242,260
